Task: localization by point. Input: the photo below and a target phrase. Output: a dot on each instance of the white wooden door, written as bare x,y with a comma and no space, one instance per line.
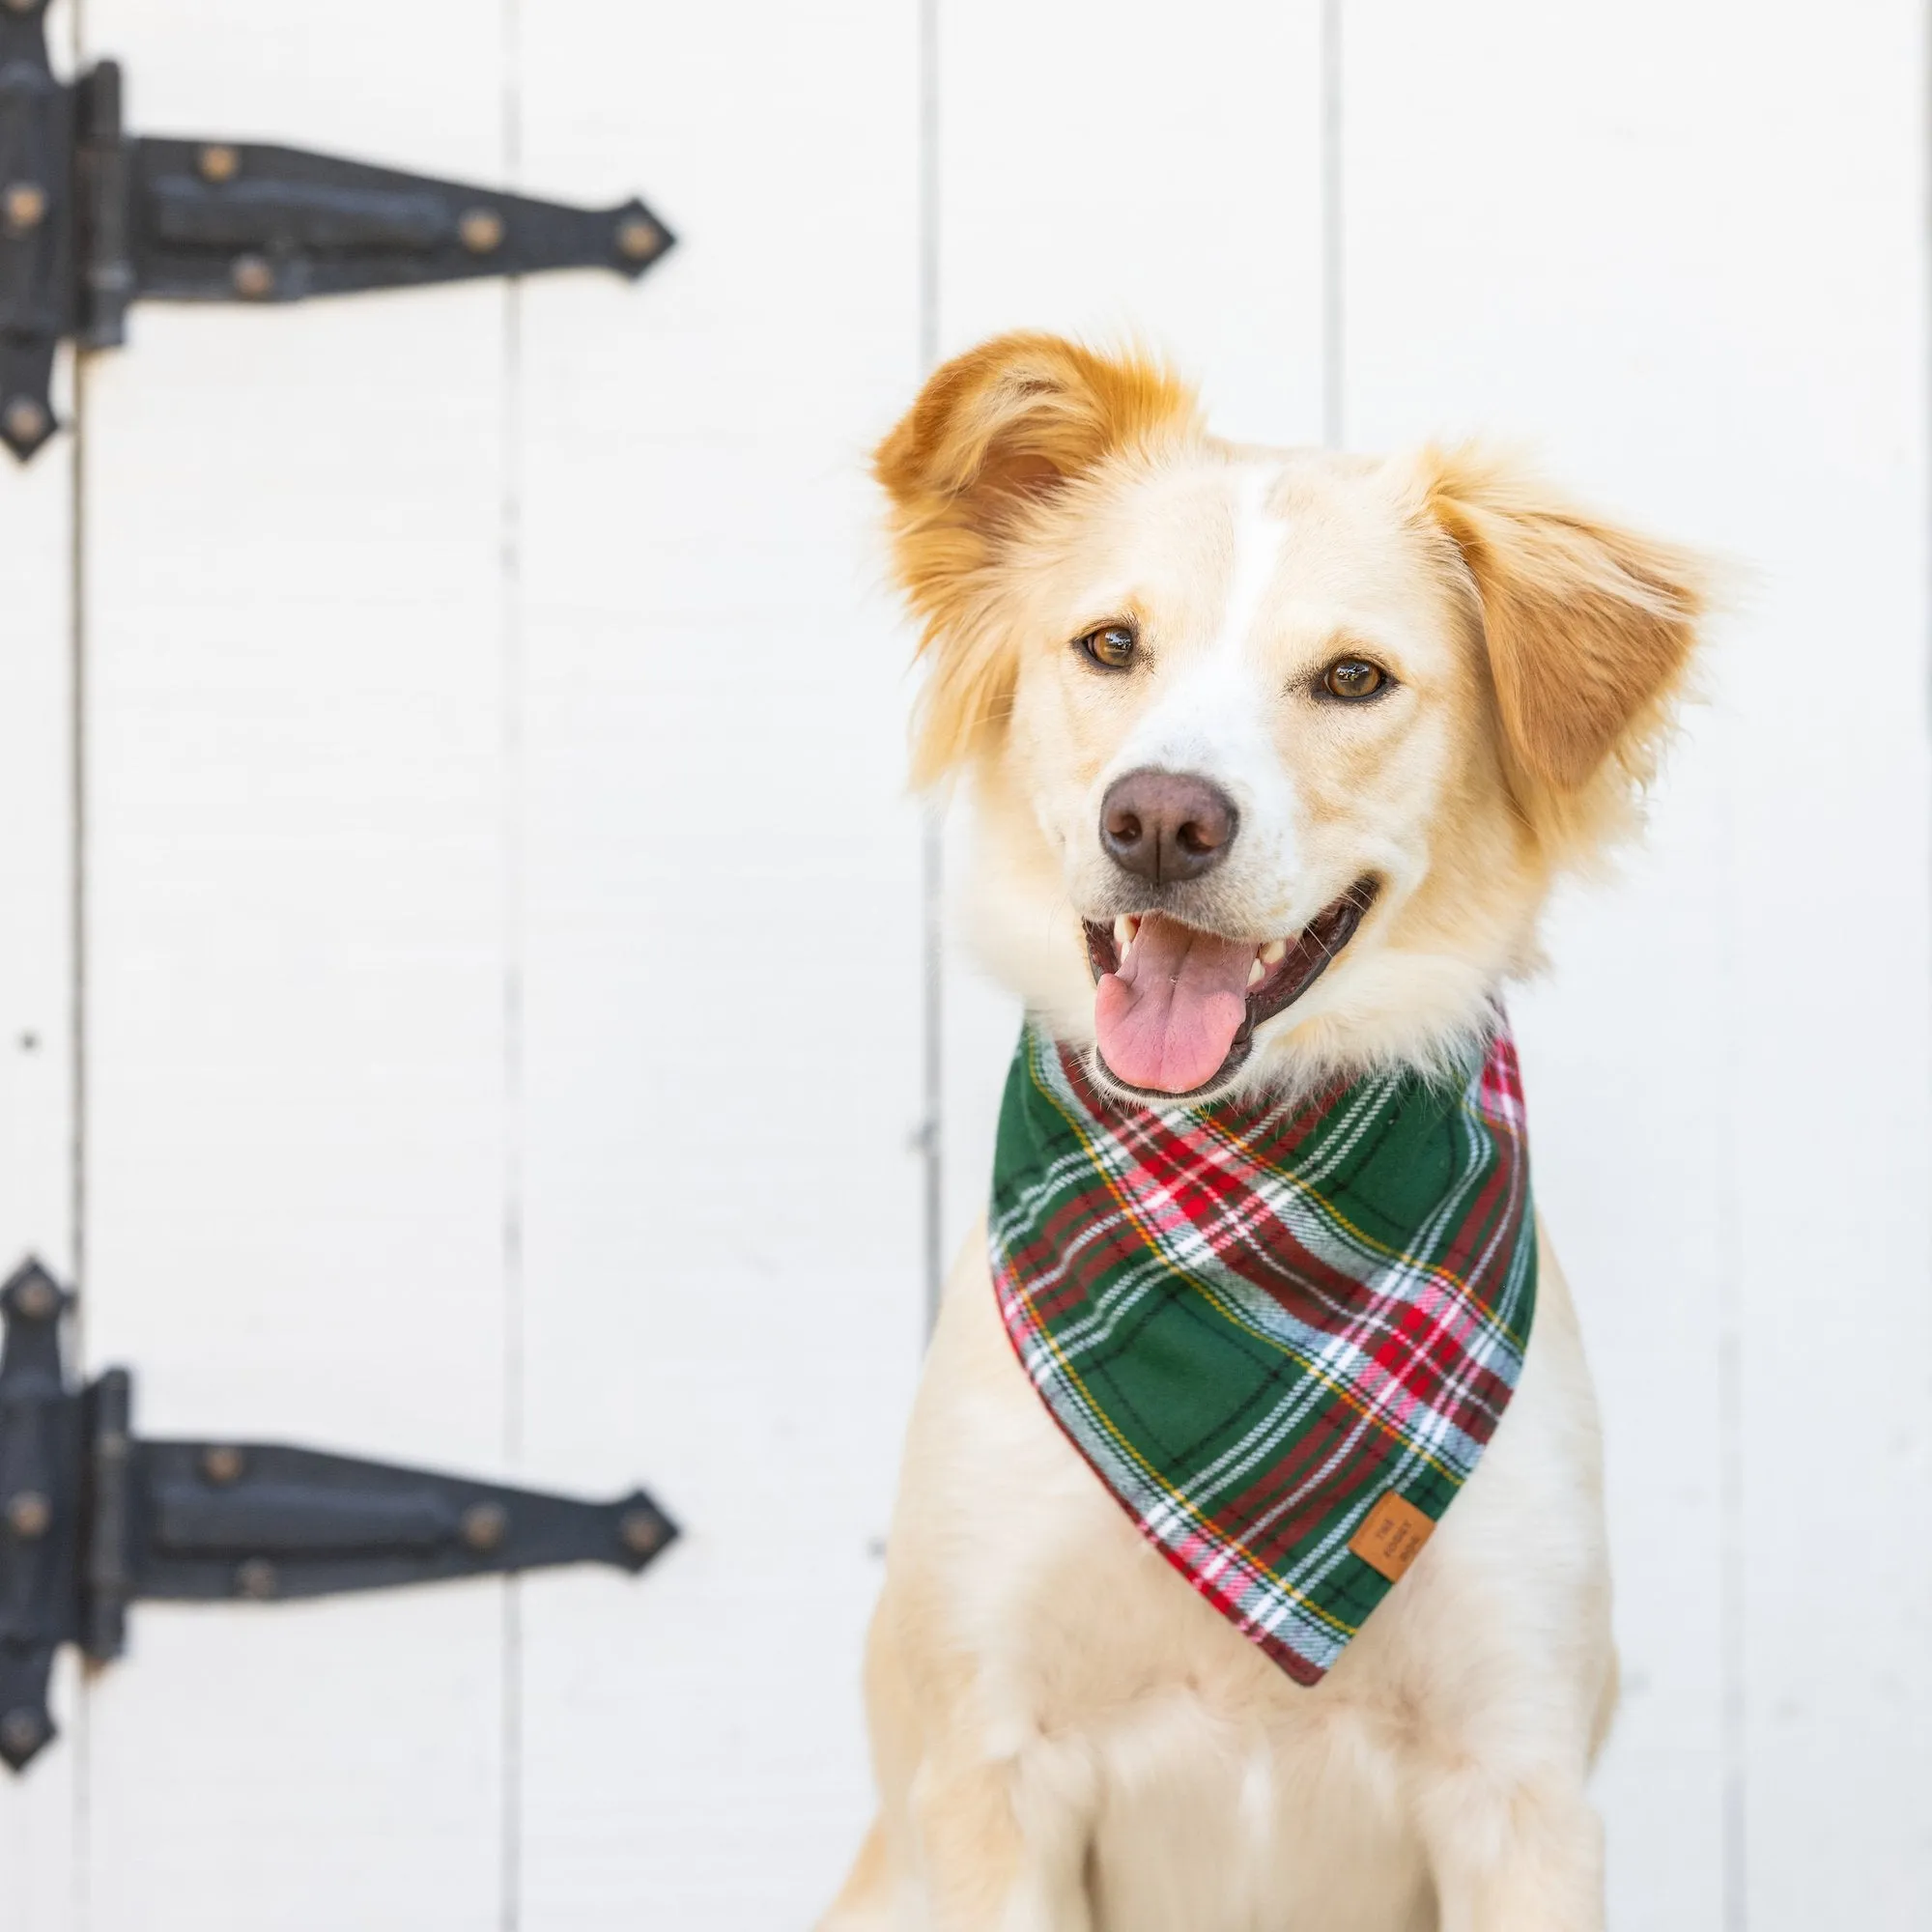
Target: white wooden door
467,997
501,943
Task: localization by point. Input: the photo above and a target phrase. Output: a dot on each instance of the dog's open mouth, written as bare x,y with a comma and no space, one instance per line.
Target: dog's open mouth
1176,1009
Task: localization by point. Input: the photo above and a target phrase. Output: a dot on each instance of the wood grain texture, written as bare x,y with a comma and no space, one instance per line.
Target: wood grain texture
718,949
1618,238
294,915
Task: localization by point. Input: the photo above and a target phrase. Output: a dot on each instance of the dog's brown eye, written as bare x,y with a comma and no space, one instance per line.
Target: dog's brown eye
1112,645
1354,678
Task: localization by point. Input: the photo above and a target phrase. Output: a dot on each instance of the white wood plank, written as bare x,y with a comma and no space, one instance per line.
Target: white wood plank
1680,248
720,949
1833,1163
1142,179
39,1812
294,907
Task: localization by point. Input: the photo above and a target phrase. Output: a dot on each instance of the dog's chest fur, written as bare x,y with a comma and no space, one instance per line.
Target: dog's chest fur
1210,1791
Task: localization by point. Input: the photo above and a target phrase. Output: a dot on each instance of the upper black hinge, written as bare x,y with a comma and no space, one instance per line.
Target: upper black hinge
92,1517
92,219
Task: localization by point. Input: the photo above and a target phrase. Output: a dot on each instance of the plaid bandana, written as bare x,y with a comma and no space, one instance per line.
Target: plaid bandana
1280,1335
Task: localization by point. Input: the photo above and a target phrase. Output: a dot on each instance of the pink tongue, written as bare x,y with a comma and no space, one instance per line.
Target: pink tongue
1168,1018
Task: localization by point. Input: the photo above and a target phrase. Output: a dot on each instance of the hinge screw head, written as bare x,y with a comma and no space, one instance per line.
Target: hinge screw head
37,1299
641,1533
485,1525
480,230
256,1578
29,1514
253,276
222,1463
21,1734
24,204
638,238
218,163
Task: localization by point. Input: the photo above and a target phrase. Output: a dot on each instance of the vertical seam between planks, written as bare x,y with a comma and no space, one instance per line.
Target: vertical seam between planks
929,183
932,851
1924,466
1732,1624
510,1820
82,1743
83,1759
1333,316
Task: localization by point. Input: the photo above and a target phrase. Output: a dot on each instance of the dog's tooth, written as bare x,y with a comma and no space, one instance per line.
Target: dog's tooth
1274,953
1256,973
1124,931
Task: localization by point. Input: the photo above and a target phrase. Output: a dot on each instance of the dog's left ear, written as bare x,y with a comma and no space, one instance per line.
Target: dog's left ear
994,438
1589,627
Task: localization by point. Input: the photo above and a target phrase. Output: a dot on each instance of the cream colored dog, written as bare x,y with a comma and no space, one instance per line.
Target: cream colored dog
1391,701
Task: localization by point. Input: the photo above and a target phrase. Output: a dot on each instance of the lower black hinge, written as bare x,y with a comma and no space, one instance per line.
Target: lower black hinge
92,1517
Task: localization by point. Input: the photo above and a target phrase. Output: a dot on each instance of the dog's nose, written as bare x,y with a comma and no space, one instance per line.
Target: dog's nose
1166,826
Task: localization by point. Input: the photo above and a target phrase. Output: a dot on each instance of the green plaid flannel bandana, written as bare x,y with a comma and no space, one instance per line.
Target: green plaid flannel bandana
1280,1334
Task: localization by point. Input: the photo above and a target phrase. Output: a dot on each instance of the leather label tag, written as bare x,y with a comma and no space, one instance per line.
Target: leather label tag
1391,1536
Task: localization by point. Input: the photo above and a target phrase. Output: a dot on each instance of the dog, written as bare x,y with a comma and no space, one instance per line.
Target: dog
1207,700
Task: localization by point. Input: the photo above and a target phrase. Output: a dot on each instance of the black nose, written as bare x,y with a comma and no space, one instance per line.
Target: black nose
1167,826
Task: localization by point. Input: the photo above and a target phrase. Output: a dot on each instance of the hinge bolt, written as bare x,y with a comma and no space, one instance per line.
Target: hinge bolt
638,240
37,1299
482,229
485,1525
253,276
641,1533
23,205
218,163
29,1514
256,1578
21,1732
222,1463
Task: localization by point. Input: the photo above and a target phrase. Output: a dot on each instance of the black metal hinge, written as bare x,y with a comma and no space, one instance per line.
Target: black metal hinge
92,220
92,1517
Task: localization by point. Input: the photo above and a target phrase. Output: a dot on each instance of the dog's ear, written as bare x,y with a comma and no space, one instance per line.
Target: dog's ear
995,436
1589,627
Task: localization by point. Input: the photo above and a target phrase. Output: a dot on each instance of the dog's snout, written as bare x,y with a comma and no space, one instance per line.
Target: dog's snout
1166,826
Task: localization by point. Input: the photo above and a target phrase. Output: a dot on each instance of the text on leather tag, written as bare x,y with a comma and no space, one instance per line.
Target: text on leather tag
1391,1536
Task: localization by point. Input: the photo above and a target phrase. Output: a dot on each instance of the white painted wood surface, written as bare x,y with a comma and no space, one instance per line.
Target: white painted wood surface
717,947
502,920
295,906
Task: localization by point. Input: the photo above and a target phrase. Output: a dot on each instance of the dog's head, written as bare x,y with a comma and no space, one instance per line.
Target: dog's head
1274,753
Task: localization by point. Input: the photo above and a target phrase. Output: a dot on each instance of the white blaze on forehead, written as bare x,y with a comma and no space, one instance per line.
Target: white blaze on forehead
1258,540
1211,715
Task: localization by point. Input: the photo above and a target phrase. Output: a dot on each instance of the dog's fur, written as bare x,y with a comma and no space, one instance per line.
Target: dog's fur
1064,1735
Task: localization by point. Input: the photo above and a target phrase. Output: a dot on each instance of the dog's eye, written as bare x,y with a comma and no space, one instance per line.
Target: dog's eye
1354,680
1111,645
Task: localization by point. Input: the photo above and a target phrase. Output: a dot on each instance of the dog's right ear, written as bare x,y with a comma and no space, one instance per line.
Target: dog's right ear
996,433
1589,627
